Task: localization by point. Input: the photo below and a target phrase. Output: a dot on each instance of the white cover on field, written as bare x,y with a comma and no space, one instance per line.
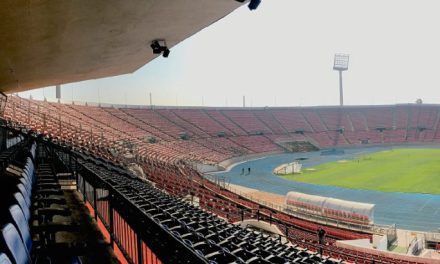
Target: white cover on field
293,167
332,203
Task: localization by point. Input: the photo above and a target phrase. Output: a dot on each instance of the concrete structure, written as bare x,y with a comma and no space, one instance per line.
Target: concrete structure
46,43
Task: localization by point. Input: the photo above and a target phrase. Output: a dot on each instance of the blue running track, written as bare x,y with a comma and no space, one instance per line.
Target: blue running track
407,210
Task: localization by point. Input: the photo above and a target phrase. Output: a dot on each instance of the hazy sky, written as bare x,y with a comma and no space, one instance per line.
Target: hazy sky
282,55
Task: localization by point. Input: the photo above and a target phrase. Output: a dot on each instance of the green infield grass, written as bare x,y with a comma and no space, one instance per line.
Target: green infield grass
396,170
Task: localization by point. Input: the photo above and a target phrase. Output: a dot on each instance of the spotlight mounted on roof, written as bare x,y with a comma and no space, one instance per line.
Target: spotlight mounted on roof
253,4
156,47
166,52
159,46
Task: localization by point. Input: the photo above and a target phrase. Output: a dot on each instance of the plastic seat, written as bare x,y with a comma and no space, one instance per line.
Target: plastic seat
4,259
26,185
22,203
25,194
22,226
14,244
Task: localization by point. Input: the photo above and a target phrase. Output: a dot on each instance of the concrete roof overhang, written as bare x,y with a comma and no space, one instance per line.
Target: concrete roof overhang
49,42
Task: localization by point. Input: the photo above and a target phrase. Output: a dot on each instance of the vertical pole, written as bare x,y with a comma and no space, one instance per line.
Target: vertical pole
110,214
29,112
139,249
76,174
94,203
341,93
84,190
70,163
99,96
58,92
4,138
192,189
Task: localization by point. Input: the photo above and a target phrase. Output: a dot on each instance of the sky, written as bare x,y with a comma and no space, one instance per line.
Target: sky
282,55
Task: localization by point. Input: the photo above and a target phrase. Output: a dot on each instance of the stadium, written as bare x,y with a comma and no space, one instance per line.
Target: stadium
92,182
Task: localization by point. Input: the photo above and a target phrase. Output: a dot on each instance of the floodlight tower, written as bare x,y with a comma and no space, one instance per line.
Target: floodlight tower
341,64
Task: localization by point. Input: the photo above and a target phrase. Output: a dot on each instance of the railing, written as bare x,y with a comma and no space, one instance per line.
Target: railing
140,239
120,231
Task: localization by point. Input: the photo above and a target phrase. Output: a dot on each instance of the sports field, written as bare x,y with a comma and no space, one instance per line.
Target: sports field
396,170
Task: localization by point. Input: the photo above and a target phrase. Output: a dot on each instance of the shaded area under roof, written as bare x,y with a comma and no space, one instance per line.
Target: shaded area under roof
46,42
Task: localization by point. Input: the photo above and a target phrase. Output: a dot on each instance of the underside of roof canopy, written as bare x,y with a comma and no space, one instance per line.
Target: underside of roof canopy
45,42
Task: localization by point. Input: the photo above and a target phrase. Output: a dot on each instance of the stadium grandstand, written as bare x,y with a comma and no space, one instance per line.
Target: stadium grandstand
109,140
103,183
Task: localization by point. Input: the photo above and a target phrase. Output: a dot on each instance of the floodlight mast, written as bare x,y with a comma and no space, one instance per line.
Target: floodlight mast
341,64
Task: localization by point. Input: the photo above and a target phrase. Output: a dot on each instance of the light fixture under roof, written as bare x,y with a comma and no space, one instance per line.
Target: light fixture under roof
160,46
253,4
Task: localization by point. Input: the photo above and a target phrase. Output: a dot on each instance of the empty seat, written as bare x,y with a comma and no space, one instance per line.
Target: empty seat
16,249
4,259
20,222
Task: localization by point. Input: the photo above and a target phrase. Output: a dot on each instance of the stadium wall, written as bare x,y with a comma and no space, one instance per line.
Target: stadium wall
229,163
372,145
204,168
386,254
